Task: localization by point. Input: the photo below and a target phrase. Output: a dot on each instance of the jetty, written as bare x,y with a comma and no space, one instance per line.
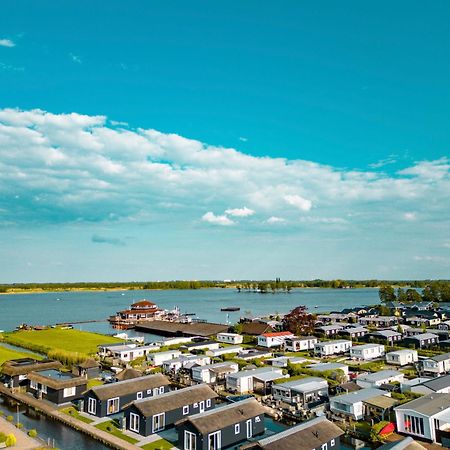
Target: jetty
163,328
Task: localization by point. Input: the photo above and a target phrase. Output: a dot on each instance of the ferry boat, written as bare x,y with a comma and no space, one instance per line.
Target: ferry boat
231,308
138,312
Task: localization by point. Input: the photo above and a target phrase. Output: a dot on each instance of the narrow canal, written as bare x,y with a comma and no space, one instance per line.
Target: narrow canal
63,437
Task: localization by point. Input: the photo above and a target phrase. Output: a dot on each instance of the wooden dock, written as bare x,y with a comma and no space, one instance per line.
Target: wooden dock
52,412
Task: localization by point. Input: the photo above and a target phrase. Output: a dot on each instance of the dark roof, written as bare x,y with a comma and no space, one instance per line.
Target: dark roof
306,436
198,344
183,329
174,400
436,384
56,383
24,366
428,405
405,444
89,364
256,328
225,416
128,374
350,386
122,388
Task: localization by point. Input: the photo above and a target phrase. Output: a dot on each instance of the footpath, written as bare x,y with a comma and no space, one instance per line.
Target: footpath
24,442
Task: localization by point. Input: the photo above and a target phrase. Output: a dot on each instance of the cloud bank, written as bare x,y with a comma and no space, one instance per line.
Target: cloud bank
62,168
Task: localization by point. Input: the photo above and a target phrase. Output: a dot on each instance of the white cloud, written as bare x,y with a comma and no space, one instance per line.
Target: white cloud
83,169
240,212
275,220
7,43
299,202
410,216
210,217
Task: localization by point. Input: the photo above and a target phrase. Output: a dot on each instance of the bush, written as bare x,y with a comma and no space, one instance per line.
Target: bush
33,433
19,425
11,440
9,418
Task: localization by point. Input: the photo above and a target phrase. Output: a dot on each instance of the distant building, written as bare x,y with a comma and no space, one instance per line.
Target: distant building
330,348
276,339
402,357
15,372
214,373
244,381
422,340
437,365
367,351
376,379
300,343
303,392
230,338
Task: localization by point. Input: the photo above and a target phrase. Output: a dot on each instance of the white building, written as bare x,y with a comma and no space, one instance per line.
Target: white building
437,365
373,380
127,352
425,416
440,385
185,361
302,392
300,343
211,373
230,338
224,351
352,404
367,351
275,339
329,348
157,359
242,382
402,357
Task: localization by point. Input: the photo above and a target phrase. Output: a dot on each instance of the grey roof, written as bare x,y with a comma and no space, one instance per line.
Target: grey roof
437,384
333,342
305,436
405,444
253,372
379,376
174,400
428,405
405,351
364,346
269,376
121,388
322,367
386,333
219,418
358,396
423,336
443,357
305,384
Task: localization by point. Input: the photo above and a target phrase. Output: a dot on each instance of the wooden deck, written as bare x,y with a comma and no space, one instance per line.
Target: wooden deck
52,412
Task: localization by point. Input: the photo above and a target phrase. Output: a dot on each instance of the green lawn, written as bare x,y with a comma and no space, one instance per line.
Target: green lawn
6,354
71,411
94,382
160,444
111,428
75,341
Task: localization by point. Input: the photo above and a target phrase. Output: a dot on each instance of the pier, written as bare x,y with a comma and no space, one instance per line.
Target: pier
163,328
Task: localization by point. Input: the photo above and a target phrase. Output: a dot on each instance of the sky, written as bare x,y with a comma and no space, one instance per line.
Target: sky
149,140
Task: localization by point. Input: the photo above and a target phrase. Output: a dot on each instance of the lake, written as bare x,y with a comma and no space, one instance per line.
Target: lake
56,307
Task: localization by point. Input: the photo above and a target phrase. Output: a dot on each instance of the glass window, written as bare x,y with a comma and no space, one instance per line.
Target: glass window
139,395
112,405
68,392
237,429
185,410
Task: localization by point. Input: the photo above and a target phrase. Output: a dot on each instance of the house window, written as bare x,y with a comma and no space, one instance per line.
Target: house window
332,442
68,392
237,429
325,447
155,391
112,405
208,403
214,440
158,422
149,392
134,422
161,390
257,419
195,405
185,410
92,406
139,395
190,441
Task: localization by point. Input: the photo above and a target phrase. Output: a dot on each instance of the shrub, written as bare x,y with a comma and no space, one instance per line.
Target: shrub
11,440
33,433
19,425
9,418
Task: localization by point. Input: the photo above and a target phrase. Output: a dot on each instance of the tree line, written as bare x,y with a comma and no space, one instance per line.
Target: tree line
435,291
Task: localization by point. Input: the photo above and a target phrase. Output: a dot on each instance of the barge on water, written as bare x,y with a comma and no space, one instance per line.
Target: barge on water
231,308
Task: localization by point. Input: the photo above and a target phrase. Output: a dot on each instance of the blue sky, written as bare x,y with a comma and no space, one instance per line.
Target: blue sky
162,140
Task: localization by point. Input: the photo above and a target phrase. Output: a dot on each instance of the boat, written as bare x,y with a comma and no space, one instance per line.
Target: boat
231,308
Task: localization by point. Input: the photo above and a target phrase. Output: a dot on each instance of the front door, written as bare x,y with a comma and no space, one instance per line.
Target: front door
202,406
190,441
134,422
92,405
249,429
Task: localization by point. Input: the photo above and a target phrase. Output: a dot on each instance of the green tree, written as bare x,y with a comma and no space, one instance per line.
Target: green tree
386,294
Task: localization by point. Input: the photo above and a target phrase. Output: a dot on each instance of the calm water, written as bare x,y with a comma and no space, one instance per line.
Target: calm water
51,308
64,437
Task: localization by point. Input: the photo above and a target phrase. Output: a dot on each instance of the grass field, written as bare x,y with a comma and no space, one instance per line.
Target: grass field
160,444
7,354
71,411
111,428
75,341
